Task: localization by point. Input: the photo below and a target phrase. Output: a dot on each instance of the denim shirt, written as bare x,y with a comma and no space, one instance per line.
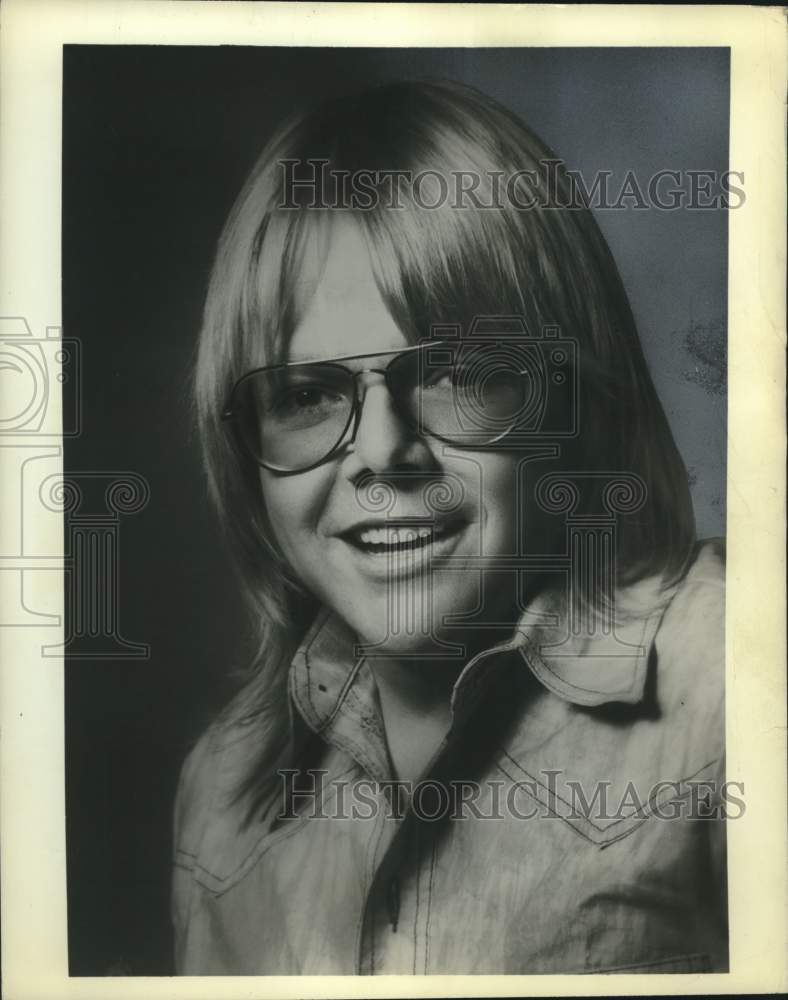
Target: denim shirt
588,835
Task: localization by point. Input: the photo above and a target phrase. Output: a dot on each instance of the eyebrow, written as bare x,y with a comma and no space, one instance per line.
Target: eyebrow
301,359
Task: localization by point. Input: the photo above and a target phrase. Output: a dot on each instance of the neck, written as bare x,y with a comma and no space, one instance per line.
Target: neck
415,702
424,686
421,687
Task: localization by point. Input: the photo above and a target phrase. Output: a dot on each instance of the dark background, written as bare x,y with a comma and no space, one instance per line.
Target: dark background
156,143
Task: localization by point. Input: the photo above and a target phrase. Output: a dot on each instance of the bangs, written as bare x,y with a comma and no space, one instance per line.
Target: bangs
431,267
285,268
441,265
447,267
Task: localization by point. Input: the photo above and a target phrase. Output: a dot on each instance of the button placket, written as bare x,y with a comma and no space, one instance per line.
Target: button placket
393,901
425,864
381,839
398,905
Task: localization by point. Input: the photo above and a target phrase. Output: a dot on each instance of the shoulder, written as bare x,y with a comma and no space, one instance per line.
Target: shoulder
214,774
208,772
707,567
196,789
204,795
690,645
695,615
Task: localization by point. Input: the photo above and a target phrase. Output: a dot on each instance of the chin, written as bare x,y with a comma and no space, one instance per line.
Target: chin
395,627
418,647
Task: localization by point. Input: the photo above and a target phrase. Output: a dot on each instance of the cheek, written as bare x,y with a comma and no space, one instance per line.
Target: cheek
294,505
501,521
500,500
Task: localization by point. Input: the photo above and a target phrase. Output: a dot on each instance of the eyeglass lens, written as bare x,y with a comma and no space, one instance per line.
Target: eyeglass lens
292,417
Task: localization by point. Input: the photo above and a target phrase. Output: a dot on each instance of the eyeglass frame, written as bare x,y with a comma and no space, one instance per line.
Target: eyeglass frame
354,416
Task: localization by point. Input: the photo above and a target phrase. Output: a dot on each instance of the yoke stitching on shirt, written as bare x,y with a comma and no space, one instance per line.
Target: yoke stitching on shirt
585,819
213,750
637,817
276,836
560,798
575,827
652,800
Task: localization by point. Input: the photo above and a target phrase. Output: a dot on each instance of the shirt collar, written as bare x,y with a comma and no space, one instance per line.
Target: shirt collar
585,656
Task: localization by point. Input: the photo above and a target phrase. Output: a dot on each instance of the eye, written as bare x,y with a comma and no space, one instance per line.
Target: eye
305,399
450,377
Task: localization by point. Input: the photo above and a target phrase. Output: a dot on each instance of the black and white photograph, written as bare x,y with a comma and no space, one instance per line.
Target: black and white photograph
478,638
394,464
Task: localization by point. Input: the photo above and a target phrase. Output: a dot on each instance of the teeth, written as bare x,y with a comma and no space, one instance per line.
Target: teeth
378,536
394,536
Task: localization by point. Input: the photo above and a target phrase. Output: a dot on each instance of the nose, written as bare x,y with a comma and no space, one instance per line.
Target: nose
382,440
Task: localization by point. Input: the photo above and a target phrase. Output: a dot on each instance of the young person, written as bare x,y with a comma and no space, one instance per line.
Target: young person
484,730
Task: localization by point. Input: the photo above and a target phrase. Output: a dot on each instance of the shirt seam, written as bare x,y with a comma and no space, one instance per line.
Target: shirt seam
635,821
260,848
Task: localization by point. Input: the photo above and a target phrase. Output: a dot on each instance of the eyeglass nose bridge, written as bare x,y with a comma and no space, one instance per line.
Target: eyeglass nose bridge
359,398
370,371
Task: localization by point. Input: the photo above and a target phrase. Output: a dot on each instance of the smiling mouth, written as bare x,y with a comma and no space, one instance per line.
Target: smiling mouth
401,538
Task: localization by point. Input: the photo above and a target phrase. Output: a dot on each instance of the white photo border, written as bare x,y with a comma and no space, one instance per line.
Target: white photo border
32,35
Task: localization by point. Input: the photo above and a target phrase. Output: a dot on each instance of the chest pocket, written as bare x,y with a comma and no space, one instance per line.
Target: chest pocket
630,874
